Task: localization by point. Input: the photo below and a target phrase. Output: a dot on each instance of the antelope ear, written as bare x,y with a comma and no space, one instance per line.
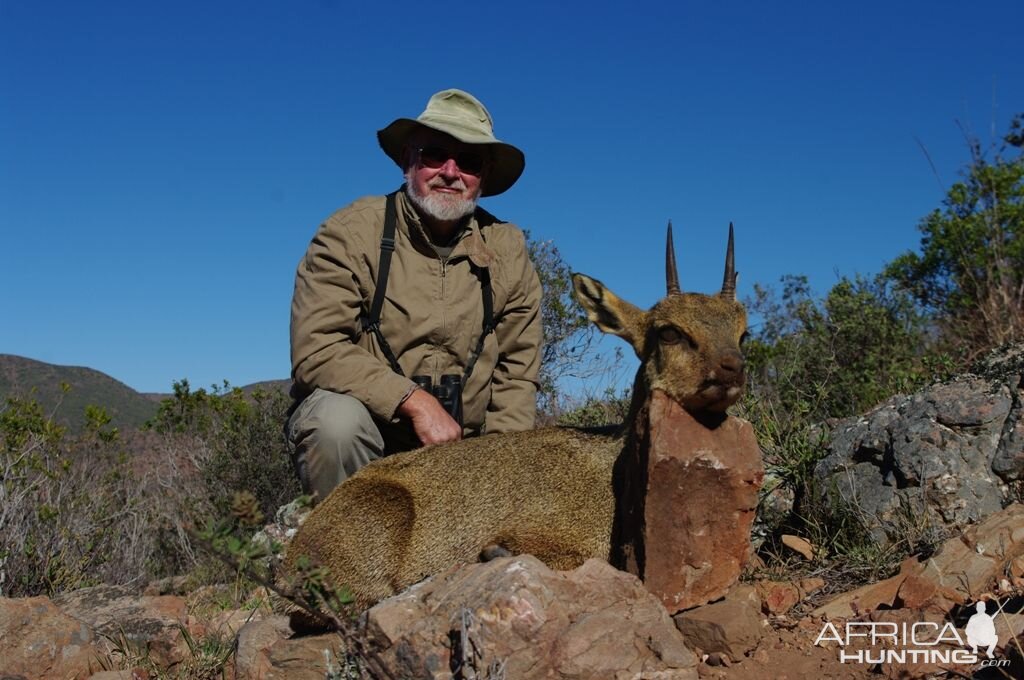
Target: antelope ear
608,312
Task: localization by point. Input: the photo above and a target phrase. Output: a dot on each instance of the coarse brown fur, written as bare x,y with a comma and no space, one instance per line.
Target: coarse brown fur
547,492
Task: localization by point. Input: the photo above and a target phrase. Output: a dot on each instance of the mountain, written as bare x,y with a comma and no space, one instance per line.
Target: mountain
269,385
24,377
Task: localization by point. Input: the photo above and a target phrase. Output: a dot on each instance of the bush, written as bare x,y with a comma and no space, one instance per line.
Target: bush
609,409
568,335
70,512
925,317
112,507
814,360
970,272
240,443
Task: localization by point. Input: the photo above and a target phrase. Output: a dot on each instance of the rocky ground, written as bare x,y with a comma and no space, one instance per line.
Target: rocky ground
514,618
950,457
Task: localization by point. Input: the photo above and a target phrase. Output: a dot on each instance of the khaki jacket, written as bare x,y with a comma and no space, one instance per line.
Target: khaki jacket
432,315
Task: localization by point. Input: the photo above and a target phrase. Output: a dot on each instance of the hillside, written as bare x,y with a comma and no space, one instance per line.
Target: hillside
23,377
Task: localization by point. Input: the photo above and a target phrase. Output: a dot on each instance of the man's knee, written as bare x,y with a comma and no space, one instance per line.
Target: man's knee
333,436
336,418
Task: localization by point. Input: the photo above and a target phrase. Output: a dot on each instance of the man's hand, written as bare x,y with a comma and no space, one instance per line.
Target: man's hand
430,421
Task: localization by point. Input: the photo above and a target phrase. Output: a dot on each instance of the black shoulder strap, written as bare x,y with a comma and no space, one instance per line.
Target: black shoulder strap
488,299
484,273
371,322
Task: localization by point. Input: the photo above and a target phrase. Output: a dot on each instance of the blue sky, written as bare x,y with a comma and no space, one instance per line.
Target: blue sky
164,165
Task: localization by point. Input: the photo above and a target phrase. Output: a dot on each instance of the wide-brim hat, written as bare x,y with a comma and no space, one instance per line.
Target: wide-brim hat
462,116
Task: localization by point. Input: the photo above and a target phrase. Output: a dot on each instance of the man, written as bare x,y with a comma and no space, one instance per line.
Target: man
385,320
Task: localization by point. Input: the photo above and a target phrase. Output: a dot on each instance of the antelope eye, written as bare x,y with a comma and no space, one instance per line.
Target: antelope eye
671,335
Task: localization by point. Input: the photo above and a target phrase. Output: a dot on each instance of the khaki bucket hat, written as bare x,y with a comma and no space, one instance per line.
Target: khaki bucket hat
462,116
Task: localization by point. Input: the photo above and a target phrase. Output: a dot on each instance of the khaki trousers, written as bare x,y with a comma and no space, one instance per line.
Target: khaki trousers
332,436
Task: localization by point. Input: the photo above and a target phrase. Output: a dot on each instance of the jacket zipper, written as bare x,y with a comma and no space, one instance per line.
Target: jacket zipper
444,315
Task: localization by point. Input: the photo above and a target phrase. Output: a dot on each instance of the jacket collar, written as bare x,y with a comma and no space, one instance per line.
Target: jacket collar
469,241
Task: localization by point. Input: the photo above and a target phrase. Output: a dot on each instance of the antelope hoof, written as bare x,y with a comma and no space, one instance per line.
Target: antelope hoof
493,552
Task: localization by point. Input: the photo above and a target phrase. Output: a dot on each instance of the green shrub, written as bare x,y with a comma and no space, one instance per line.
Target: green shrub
864,342
609,409
568,336
969,274
69,508
112,507
241,443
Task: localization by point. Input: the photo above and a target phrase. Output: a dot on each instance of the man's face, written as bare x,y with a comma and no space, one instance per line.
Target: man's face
444,175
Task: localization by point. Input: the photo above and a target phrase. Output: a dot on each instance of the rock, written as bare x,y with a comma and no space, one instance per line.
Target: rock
917,668
810,585
798,545
172,585
251,659
226,623
747,593
962,570
307,658
778,597
701,494
863,599
151,622
972,564
732,627
38,640
1008,628
936,460
592,622
279,533
1008,462
915,592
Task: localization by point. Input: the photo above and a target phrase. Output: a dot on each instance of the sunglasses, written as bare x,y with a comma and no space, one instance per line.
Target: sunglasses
469,162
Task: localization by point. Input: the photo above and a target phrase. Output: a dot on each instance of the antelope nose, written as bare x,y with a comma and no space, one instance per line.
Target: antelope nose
731,365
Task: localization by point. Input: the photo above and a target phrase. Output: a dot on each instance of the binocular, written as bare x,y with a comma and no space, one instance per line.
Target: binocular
448,392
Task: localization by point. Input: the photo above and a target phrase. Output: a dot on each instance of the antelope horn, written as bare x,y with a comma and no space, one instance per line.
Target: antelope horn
729,282
671,277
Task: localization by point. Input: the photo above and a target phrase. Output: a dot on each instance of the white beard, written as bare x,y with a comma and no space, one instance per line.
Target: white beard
440,206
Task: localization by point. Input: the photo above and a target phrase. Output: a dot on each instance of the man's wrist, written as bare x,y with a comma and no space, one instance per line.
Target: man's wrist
403,405
408,393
